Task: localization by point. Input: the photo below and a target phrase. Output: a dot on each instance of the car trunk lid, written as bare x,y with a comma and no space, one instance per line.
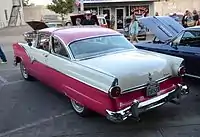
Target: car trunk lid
132,68
37,25
163,27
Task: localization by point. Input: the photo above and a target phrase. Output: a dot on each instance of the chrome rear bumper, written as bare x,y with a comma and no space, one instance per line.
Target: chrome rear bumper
137,107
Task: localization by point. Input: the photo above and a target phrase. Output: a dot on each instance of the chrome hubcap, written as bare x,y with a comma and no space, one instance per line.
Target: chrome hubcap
23,70
79,108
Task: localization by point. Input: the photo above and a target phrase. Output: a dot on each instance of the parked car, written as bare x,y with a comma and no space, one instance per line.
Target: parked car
142,29
173,39
55,24
40,25
101,71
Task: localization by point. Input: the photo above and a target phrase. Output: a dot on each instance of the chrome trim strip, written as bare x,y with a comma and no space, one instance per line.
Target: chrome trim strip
96,36
143,104
144,85
153,100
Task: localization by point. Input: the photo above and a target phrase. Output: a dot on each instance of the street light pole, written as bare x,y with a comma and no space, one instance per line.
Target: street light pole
82,5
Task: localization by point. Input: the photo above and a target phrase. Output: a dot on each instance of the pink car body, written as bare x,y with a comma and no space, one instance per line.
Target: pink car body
101,83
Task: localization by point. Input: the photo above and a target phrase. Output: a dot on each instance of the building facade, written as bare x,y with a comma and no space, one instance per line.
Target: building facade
11,13
117,10
164,7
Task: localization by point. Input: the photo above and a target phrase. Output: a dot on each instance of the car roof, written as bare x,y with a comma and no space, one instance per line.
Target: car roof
75,33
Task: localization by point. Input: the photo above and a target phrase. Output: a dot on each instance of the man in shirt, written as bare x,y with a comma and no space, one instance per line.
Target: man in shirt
88,20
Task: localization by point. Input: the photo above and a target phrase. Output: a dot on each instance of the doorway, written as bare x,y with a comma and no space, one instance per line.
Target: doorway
107,11
120,15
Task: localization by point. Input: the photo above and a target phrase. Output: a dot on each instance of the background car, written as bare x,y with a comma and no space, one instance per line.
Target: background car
142,29
55,24
173,39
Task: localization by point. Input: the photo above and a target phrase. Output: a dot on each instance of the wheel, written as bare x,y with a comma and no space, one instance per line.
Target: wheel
79,109
24,72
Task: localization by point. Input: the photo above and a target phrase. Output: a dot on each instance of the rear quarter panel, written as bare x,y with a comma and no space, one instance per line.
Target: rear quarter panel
21,54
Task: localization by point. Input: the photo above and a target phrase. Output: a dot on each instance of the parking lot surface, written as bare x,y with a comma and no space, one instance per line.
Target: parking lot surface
31,109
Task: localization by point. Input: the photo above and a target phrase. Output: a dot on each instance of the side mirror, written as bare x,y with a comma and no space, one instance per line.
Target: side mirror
173,45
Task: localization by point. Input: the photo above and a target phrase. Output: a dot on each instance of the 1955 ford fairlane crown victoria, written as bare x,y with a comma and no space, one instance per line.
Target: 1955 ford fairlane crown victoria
101,71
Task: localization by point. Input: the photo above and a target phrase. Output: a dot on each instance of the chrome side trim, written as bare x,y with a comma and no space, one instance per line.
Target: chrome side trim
144,85
193,76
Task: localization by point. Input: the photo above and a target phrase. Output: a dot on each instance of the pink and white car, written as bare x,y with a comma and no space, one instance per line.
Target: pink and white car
101,71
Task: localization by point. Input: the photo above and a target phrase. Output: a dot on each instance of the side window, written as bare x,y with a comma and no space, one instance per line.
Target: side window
43,41
187,36
58,48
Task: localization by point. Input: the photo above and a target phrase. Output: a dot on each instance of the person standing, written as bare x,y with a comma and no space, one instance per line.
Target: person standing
88,19
78,22
156,14
185,18
2,56
133,29
195,18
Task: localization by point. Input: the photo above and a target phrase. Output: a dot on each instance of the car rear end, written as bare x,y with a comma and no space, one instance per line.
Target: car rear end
133,101
102,21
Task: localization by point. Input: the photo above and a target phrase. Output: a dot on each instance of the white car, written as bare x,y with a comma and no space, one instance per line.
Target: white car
101,71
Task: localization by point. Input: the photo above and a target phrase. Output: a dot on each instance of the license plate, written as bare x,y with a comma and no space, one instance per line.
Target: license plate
152,89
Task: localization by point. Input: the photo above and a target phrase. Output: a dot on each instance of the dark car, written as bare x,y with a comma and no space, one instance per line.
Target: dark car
173,39
142,29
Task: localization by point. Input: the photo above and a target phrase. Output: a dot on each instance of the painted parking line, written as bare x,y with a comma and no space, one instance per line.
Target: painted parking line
35,123
14,69
3,80
13,82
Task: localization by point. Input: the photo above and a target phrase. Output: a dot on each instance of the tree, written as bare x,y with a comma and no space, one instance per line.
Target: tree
62,7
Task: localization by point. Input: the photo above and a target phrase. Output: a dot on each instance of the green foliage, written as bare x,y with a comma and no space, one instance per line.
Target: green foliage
62,7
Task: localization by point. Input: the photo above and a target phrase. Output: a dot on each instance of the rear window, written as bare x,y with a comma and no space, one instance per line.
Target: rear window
88,48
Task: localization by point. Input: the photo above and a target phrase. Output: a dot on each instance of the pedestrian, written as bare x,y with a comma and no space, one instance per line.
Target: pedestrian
156,14
88,19
2,56
112,22
195,18
133,29
78,21
187,20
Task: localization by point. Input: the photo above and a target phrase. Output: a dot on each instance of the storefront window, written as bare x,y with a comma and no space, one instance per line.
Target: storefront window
140,10
93,9
127,10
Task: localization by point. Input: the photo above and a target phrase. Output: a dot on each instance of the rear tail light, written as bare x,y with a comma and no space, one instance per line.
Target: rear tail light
181,71
115,92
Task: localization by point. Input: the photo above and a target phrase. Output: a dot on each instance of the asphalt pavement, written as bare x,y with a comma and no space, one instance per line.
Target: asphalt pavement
31,109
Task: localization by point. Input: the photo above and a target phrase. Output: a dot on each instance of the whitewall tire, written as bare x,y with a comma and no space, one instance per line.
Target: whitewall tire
79,109
24,72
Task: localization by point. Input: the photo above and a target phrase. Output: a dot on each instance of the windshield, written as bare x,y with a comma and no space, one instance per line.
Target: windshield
191,38
91,47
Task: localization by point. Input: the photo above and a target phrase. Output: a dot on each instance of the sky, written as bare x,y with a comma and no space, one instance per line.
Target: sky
40,2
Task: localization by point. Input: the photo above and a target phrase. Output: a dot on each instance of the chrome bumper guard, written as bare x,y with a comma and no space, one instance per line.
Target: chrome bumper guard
137,107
